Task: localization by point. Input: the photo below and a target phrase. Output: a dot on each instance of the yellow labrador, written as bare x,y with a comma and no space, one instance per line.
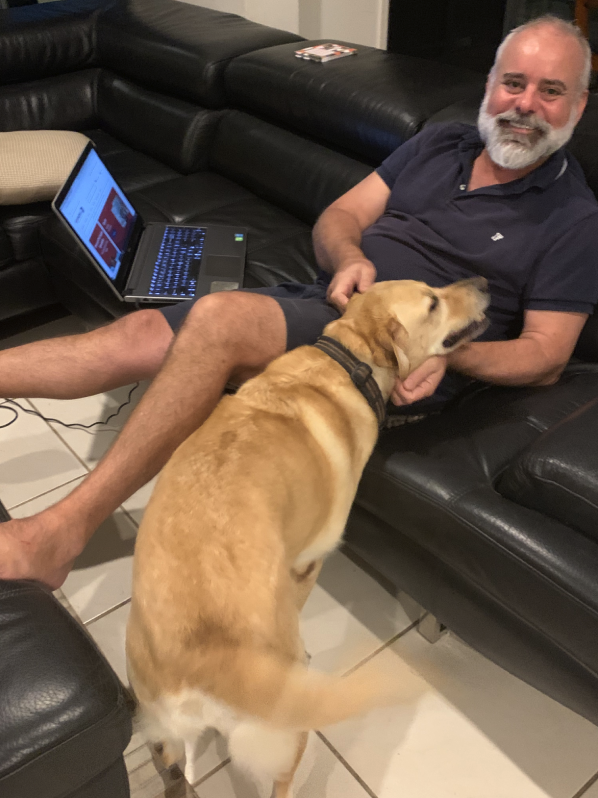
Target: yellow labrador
241,517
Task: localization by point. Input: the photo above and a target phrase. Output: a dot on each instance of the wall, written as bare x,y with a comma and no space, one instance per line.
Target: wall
358,21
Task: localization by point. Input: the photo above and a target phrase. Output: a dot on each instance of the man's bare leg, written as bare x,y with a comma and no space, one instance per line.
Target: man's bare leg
225,336
129,349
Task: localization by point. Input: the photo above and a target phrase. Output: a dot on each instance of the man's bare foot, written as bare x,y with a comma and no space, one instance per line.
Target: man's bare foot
40,547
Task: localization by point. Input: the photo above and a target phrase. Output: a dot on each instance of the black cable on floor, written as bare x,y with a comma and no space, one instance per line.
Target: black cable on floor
6,404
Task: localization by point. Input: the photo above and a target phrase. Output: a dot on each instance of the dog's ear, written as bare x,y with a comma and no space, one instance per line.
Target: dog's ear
398,336
391,341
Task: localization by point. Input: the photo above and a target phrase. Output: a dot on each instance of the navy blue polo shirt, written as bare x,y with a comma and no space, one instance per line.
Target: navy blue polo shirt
534,239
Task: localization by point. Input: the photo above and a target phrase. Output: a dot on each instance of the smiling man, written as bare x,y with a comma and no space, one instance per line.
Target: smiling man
503,201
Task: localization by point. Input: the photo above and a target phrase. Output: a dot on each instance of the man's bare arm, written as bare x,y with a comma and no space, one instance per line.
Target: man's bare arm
337,238
537,357
337,233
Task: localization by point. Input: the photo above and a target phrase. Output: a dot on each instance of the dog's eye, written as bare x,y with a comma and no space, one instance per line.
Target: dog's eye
433,303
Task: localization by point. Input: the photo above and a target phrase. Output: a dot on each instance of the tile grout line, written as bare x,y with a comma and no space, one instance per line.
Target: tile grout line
589,783
164,769
212,772
81,461
103,614
382,647
129,516
45,492
344,762
71,450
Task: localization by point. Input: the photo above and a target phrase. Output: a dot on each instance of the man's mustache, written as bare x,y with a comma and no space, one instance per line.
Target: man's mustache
530,121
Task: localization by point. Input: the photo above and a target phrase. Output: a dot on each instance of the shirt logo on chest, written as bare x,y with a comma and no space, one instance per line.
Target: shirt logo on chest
497,236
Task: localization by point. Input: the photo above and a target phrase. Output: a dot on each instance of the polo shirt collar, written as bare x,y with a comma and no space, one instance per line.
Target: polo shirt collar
471,145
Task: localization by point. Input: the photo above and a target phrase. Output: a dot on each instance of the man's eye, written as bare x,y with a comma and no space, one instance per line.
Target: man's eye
433,303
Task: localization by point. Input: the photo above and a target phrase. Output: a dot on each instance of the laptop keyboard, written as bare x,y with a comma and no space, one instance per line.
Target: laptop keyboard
177,265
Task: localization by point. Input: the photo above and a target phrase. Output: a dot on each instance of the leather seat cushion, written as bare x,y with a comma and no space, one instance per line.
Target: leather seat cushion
556,474
278,245
132,169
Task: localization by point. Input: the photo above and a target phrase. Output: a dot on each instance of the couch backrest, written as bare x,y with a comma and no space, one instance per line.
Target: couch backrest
174,47
65,102
41,41
178,48
291,171
367,104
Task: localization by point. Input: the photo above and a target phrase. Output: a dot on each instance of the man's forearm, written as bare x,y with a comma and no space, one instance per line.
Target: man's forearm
337,239
518,362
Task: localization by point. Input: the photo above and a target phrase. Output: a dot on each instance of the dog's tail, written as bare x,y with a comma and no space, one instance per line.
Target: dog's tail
288,695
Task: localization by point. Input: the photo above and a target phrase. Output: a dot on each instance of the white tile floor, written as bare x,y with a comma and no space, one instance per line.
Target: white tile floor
473,731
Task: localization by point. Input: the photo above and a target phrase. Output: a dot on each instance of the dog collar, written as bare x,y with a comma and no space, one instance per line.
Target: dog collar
360,373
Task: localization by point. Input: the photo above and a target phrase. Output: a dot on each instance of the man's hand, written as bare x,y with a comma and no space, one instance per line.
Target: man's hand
420,383
355,276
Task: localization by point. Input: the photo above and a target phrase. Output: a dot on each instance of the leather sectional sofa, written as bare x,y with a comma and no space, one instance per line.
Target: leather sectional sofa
485,514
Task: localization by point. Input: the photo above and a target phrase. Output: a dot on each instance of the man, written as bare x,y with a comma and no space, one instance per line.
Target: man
441,207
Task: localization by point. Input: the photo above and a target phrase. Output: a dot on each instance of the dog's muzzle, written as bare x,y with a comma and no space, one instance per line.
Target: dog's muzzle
468,333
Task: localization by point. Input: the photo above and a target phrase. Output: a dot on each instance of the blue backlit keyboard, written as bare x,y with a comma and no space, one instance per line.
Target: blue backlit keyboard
177,265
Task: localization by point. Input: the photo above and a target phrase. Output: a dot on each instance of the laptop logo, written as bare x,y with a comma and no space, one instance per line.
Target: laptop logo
239,236
497,236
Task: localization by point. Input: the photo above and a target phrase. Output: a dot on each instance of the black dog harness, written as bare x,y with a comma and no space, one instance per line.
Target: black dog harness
360,373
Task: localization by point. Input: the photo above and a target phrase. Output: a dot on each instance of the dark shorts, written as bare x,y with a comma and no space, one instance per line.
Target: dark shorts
305,309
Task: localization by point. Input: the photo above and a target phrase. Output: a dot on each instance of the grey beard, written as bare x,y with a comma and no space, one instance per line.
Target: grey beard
513,152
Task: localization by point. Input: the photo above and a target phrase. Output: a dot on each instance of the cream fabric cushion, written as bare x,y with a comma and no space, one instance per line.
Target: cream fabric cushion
35,163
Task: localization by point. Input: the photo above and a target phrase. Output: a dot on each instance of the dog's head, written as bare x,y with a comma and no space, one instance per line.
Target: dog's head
404,322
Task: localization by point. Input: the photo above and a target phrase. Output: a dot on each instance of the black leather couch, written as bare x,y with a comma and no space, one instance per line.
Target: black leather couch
64,717
485,513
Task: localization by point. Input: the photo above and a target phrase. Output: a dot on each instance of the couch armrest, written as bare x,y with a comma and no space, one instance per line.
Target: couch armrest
64,717
556,474
173,131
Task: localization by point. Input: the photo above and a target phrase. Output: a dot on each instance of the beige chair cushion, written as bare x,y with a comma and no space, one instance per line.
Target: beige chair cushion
35,163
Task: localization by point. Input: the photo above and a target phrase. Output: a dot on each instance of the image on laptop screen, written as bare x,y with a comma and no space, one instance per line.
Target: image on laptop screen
99,214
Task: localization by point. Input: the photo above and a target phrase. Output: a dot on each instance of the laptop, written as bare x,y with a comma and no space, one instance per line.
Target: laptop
145,263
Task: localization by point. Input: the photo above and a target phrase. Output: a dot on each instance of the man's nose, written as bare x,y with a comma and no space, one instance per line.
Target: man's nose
527,101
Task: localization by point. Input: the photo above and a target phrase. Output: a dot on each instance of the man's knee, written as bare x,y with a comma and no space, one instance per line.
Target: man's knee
144,336
250,327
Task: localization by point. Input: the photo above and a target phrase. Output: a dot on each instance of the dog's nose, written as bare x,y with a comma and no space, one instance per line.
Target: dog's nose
477,282
480,282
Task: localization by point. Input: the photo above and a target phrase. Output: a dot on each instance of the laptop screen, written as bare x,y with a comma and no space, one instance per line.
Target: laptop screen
98,213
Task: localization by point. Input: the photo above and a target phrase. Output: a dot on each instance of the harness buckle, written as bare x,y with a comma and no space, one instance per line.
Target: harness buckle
361,374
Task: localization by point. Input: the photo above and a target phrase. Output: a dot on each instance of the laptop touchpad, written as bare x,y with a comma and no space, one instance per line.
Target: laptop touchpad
222,285
222,265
